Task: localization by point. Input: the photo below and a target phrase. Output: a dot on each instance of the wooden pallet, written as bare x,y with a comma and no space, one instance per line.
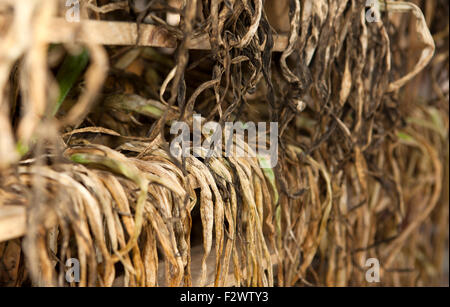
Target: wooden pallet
13,218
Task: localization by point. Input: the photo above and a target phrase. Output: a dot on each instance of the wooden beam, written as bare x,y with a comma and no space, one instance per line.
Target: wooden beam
108,33
125,33
13,222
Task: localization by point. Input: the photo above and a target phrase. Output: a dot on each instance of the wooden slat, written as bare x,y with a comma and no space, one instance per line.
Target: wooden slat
125,33
12,222
107,33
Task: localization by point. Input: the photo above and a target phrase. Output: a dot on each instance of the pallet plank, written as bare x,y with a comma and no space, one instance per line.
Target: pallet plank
12,222
125,33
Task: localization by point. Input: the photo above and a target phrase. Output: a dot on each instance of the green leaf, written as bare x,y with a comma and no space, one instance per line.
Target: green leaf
68,74
22,148
405,137
270,175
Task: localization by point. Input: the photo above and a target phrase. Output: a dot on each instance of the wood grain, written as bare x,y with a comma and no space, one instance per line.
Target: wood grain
12,222
125,33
